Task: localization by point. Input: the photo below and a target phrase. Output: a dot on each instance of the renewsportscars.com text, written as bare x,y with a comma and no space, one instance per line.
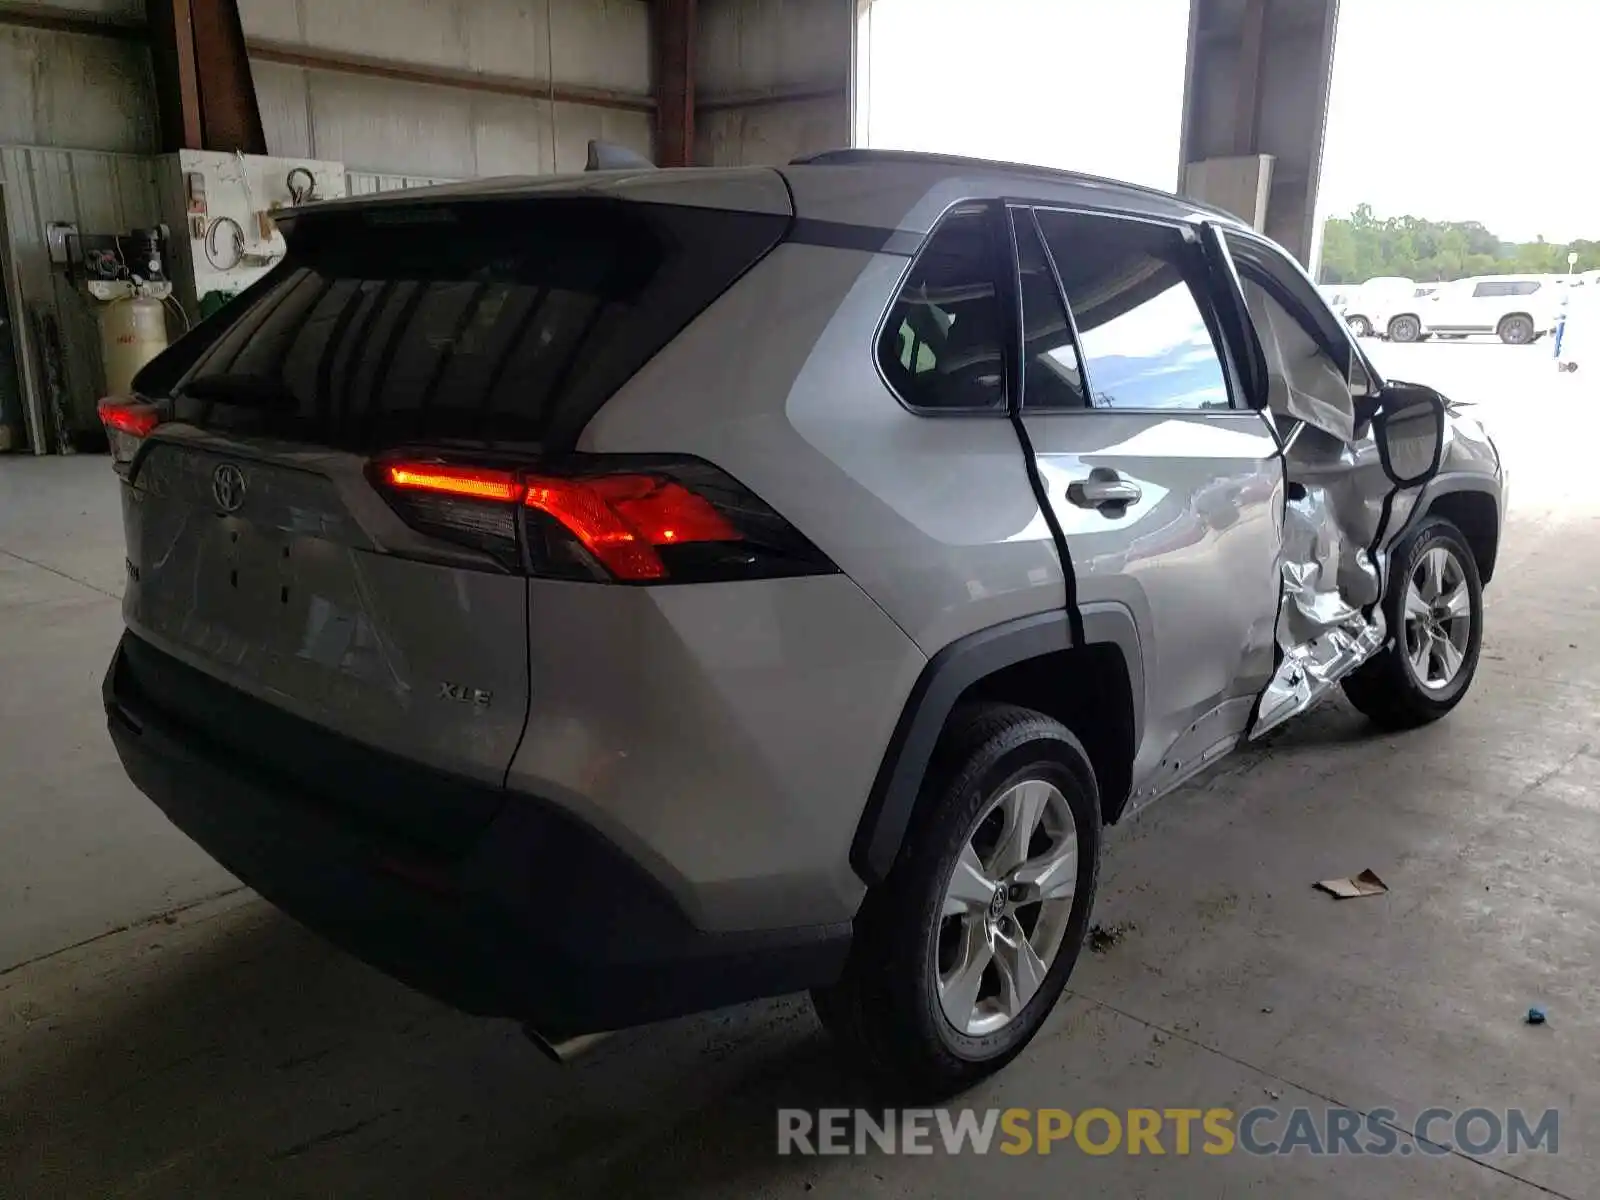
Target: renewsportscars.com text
1177,1131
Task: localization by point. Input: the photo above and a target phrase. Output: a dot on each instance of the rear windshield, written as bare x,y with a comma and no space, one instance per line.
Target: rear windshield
480,321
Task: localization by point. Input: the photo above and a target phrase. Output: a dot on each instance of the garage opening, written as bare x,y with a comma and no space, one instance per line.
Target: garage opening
1026,82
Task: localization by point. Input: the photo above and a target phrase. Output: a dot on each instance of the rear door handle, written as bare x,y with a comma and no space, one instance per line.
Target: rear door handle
1104,489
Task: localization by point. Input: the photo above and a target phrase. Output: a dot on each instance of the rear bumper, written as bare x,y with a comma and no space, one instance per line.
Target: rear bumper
540,919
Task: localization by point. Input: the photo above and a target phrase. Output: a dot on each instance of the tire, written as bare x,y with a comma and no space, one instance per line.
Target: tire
1389,688
890,1012
1405,328
1516,330
1359,326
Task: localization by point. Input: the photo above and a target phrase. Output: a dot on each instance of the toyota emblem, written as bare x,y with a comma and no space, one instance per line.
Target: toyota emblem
227,485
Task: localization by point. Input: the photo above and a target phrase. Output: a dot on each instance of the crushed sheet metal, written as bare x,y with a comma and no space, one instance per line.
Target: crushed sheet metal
1321,630
1308,671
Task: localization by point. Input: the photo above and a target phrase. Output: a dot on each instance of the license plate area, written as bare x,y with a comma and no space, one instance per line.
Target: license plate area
252,576
295,596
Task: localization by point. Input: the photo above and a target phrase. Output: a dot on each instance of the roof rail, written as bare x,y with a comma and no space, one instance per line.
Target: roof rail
861,156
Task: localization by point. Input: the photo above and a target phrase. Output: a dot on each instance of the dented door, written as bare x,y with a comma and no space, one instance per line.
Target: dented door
1341,511
1167,487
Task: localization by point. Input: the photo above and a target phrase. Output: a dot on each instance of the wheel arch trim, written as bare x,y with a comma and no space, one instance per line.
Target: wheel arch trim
947,675
1454,483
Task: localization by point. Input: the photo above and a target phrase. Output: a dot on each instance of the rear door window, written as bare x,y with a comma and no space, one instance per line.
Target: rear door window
493,321
1143,334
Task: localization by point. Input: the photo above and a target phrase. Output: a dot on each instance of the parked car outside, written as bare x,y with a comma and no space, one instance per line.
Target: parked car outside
603,598
1394,317
1517,309
1368,304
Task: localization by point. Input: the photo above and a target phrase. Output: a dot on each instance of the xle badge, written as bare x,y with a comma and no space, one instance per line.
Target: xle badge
462,694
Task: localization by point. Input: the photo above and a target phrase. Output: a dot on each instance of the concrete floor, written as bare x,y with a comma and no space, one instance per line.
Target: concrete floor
163,1033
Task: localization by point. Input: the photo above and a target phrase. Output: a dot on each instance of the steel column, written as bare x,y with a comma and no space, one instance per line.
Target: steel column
1255,109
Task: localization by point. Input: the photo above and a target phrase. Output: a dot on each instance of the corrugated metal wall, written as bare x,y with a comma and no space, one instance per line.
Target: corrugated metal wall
83,92
773,79
364,183
90,93
398,127
99,193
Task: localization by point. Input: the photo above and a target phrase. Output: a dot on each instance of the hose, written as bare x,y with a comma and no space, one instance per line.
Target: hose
210,243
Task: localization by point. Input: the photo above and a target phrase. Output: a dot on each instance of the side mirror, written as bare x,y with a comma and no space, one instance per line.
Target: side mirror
1409,431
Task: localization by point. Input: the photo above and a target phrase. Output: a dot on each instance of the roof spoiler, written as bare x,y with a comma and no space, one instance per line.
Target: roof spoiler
604,156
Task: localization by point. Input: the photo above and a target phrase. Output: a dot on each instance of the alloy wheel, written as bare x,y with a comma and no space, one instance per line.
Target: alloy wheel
1438,618
1518,332
1006,907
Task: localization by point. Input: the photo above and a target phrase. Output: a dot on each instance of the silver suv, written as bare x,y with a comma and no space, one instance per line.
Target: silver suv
597,599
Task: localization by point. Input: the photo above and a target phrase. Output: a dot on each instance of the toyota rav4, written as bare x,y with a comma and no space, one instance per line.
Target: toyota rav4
597,599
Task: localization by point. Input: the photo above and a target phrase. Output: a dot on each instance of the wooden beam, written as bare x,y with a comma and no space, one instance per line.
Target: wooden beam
177,75
55,20
672,30
230,118
291,55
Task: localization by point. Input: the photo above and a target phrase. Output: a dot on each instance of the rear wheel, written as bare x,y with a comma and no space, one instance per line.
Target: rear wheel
961,953
1434,610
1516,330
1405,329
1359,326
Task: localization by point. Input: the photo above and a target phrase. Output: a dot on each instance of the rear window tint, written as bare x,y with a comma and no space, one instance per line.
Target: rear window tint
941,348
1506,287
498,321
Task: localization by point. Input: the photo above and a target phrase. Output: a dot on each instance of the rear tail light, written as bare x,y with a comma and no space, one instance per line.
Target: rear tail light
633,520
624,520
442,480
127,422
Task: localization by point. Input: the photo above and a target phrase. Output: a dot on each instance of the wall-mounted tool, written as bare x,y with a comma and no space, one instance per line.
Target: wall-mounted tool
302,185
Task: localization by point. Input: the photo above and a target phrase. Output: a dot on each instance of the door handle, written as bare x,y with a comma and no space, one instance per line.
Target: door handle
1104,489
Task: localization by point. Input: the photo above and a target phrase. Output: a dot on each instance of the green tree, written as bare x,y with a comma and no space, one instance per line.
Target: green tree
1363,245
